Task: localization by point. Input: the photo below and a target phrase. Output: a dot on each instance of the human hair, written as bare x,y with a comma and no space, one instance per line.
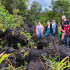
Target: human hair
64,16
48,22
53,19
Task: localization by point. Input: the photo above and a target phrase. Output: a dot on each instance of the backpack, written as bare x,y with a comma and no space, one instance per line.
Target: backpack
68,29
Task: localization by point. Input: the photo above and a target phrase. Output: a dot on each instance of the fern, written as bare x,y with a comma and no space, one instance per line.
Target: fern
4,57
62,64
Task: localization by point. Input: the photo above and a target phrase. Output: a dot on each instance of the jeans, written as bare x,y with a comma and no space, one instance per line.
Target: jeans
67,40
46,36
40,35
53,34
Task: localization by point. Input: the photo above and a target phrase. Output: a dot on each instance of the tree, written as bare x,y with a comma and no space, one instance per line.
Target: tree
15,4
68,13
34,11
60,6
8,20
36,7
46,9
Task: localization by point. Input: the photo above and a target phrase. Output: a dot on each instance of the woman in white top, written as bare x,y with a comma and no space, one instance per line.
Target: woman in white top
39,29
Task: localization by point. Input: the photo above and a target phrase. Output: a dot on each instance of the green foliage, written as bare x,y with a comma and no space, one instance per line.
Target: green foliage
13,33
33,13
28,36
4,57
9,67
31,44
8,20
25,53
36,7
18,45
14,4
57,65
52,62
23,33
50,45
0,46
68,13
62,65
25,65
60,6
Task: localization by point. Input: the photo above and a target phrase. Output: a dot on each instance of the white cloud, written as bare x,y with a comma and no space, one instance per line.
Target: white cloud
44,3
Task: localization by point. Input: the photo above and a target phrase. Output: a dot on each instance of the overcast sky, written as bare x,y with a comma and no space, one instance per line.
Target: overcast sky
44,3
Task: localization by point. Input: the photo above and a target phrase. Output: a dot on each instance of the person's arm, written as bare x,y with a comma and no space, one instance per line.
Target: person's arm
42,28
36,31
61,29
64,30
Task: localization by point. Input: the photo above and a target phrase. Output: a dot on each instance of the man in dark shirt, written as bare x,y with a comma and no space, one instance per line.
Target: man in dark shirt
62,27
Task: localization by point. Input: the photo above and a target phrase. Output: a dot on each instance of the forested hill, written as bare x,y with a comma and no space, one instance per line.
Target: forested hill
14,13
20,48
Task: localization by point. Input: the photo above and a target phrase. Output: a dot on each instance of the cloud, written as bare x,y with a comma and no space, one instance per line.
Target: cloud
44,3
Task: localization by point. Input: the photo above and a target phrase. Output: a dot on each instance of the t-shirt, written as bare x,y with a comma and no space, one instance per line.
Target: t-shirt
48,31
54,28
62,25
39,29
67,29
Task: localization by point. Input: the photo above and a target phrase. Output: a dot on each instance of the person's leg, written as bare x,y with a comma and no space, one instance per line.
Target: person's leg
45,36
39,35
65,41
63,35
69,41
54,34
42,36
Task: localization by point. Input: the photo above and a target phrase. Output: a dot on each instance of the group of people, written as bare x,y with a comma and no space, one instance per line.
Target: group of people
52,29
49,29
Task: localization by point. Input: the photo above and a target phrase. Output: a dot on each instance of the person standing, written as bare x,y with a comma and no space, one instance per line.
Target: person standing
53,28
39,29
67,33
47,29
62,27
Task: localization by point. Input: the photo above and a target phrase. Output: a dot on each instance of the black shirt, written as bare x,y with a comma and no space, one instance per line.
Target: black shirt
62,25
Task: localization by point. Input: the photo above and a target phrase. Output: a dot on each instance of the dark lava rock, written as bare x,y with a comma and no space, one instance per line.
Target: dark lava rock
2,66
35,66
11,40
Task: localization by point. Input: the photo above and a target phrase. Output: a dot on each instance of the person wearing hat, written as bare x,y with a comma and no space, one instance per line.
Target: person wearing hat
67,33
